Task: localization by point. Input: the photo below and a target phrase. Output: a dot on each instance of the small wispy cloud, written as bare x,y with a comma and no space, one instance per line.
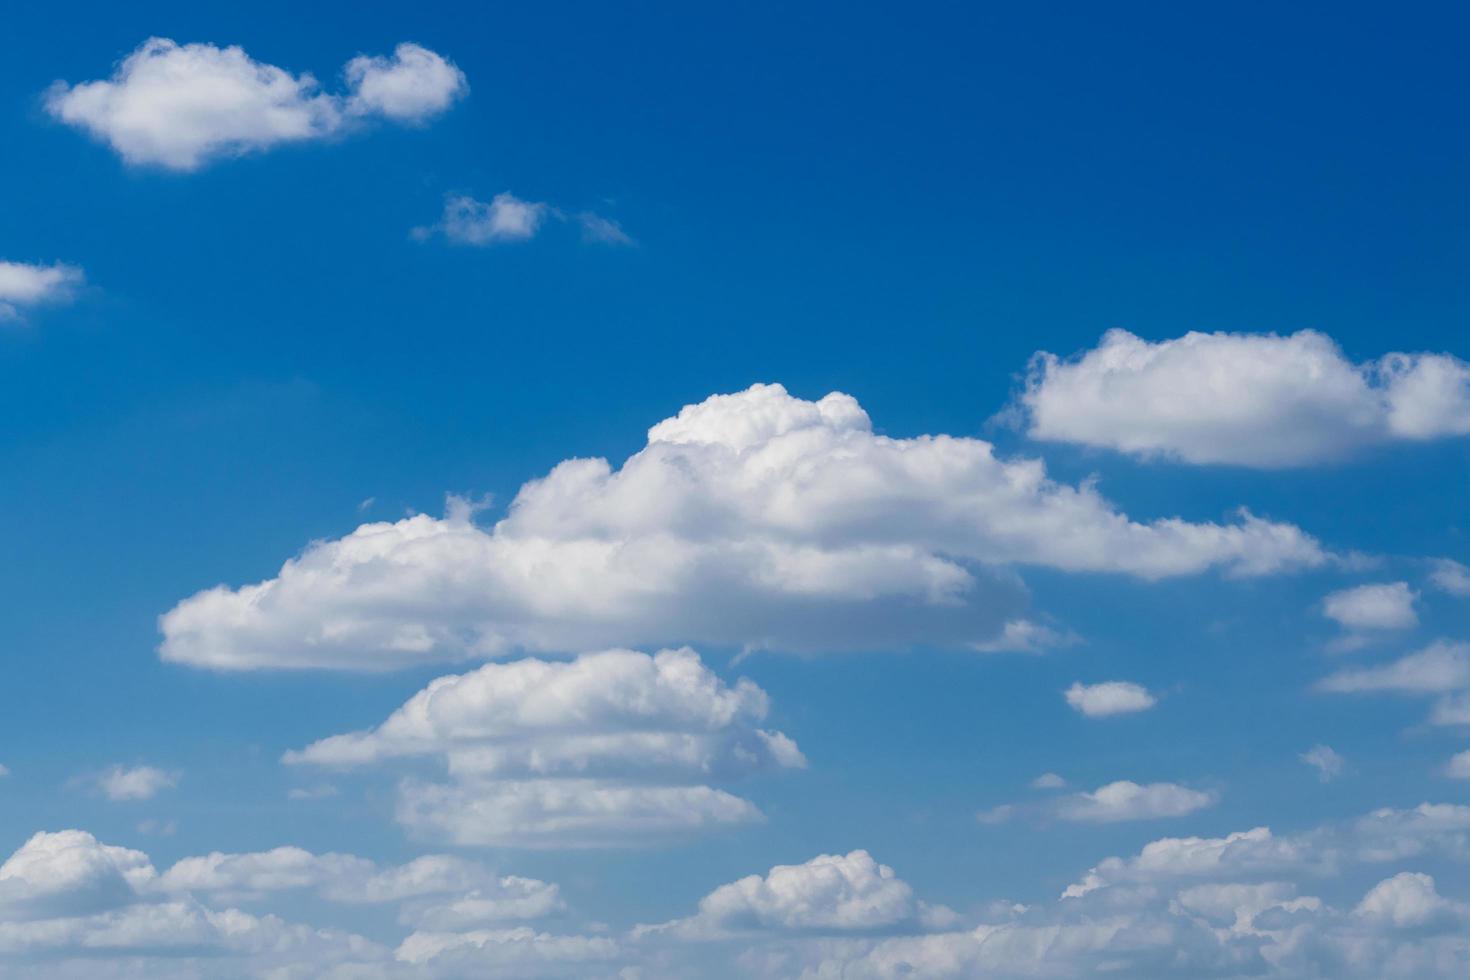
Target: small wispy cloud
120,783
506,219
1327,762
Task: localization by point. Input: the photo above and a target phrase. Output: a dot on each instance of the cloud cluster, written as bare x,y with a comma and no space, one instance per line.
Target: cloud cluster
23,286
182,106
594,751
755,520
1259,400
67,895
1182,908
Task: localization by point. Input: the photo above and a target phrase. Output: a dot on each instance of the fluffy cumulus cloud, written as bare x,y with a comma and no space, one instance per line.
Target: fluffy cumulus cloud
757,520
23,286
830,893
1389,606
182,106
1109,698
66,898
411,86
1184,907
1227,907
1260,400
72,906
597,750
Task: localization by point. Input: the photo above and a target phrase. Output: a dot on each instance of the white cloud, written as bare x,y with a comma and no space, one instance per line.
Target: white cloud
1388,606
1450,576
1025,636
543,813
1383,835
1323,759
829,893
23,286
1408,900
1048,780
1157,920
439,892
1124,800
506,218
1439,667
1109,698
66,894
412,86
1459,766
4,770
756,520
589,752
182,106
134,782
602,231
520,952
1259,400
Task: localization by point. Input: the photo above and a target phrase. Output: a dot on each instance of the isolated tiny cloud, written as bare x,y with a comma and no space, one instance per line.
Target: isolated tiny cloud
1109,698
1323,759
182,106
506,218
1048,780
23,286
1260,400
755,520
1387,606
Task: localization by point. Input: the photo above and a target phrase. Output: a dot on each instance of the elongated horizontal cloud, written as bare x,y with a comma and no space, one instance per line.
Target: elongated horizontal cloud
1438,668
1125,800
756,520
1182,908
1260,400
23,286
438,891
182,106
591,752
1109,698
506,218
67,894
1382,835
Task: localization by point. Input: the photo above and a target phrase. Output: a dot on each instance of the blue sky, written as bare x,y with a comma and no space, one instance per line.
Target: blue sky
250,319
